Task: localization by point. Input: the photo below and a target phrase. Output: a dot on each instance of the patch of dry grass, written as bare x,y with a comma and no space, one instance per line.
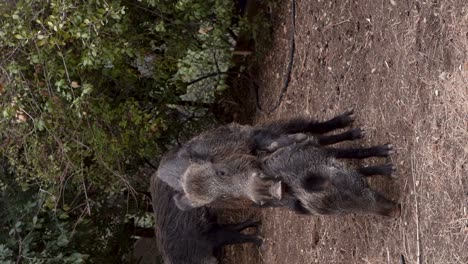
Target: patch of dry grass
439,166
404,67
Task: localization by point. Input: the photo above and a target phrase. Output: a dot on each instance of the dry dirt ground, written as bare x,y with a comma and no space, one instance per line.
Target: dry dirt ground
403,67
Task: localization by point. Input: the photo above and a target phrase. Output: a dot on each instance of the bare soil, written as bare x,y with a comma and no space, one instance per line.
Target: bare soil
403,67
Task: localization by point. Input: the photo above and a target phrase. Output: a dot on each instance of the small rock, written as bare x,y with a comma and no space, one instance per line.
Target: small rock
21,118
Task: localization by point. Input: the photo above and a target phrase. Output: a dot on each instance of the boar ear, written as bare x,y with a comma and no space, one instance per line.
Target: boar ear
197,155
194,156
182,202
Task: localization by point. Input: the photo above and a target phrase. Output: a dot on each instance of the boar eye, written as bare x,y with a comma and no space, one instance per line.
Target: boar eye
221,173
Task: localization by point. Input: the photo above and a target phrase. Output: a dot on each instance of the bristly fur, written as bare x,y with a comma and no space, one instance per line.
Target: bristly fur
191,236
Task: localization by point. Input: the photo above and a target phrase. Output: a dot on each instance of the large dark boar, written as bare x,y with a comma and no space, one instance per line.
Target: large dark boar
238,178
191,237
315,181
219,144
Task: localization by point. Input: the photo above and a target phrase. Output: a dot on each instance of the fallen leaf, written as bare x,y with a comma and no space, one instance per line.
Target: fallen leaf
205,30
21,118
74,84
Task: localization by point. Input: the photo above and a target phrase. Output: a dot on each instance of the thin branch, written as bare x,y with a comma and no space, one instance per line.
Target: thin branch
213,74
20,248
216,62
88,207
66,70
64,63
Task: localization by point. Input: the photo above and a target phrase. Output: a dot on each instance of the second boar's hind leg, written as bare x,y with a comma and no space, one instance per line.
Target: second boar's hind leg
304,125
323,140
269,137
361,153
352,134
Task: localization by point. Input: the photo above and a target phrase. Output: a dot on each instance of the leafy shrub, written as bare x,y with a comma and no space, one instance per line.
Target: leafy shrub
87,90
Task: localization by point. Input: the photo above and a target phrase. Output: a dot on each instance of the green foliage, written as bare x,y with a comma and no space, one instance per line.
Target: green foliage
87,89
36,230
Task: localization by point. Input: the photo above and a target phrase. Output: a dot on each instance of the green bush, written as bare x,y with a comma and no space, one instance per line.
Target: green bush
87,90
